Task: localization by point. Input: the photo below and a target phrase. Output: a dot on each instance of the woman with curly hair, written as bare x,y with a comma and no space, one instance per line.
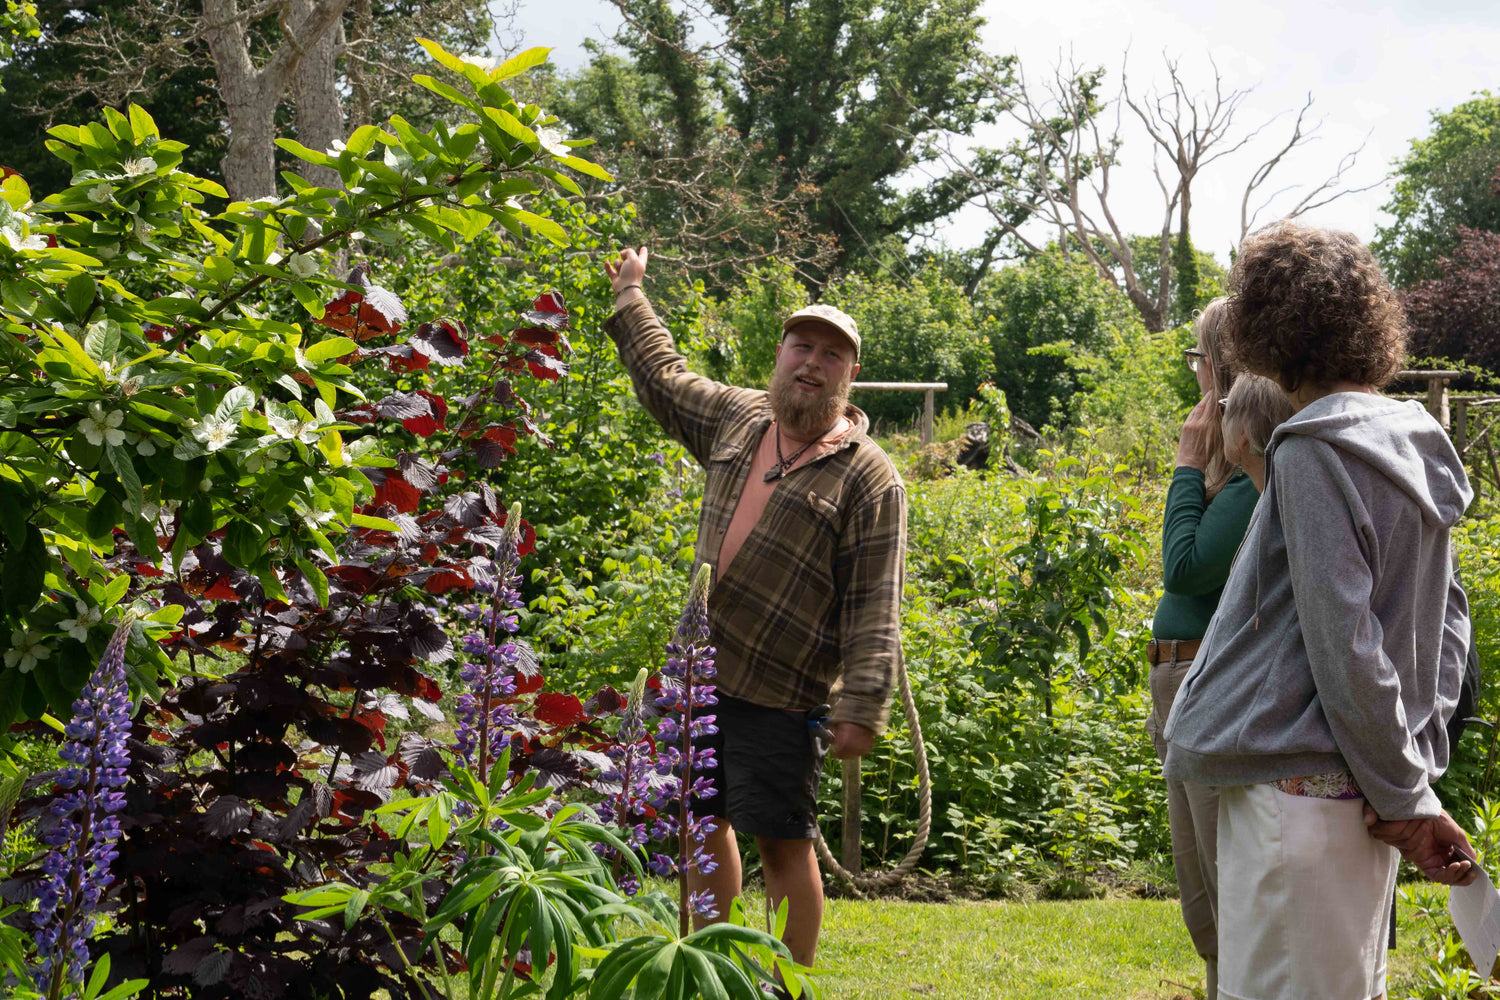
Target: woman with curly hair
1337,651
1208,508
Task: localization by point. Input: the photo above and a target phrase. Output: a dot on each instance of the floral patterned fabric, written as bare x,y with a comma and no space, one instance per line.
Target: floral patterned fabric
1329,785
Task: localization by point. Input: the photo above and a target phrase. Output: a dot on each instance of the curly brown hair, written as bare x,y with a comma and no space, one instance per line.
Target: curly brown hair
1311,306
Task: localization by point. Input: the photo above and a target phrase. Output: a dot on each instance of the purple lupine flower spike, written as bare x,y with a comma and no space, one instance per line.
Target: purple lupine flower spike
76,871
484,719
688,685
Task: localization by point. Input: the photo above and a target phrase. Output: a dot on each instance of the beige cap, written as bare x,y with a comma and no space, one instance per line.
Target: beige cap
828,316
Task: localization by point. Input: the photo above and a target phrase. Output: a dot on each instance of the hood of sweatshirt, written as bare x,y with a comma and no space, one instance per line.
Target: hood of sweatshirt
1359,667
1398,438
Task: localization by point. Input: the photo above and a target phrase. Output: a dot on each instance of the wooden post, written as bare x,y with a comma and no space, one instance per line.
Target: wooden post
1461,425
852,817
1437,400
928,411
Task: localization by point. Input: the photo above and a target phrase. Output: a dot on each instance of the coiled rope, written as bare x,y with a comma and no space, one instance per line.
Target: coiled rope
865,881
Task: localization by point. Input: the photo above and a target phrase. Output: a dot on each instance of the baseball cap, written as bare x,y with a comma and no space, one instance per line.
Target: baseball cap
828,316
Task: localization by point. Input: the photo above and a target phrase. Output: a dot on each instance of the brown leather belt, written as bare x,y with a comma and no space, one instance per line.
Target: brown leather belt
1170,650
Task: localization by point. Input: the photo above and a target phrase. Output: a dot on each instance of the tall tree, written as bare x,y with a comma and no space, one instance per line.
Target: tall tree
1457,314
1442,184
778,129
1054,182
237,71
58,76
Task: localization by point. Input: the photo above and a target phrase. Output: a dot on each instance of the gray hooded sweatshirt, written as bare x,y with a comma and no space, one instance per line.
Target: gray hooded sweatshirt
1340,638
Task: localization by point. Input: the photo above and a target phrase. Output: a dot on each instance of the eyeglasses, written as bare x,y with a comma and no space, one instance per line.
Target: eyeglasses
1193,357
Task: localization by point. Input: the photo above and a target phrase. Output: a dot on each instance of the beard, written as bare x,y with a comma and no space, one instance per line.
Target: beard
807,414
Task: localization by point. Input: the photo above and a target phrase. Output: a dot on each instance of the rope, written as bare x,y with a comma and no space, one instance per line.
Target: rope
864,881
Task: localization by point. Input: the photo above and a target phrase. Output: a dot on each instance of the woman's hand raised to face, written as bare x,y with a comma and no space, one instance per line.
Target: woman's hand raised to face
625,276
1193,445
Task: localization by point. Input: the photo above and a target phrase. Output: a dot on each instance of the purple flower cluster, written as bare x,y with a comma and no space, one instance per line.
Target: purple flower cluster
76,871
484,717
687,685
633,768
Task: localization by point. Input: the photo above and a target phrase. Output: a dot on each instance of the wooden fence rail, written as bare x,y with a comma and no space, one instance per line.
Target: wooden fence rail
928,404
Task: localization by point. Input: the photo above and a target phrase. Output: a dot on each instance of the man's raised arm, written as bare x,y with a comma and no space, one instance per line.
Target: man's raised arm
689,407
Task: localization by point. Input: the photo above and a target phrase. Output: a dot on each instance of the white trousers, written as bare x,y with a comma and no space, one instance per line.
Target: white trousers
1304,898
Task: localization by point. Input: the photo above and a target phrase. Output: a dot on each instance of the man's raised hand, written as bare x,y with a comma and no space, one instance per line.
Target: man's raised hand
625,276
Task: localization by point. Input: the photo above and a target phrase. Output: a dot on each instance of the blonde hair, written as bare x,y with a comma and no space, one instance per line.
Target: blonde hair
1256,406
1209,328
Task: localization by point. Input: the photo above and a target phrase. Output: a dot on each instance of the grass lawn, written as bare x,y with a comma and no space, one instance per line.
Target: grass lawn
1109,948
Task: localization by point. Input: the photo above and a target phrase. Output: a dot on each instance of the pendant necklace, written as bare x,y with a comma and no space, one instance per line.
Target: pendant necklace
783,465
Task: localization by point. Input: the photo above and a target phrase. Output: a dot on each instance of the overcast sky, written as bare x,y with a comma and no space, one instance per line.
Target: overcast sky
1373,68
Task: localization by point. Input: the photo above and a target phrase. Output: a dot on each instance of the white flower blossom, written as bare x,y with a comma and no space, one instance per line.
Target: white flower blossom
109,252
143,444
551,140
205,484
99,194
302,265
20,242
100,427
26,650
78,626
216,434
144,165
142,230
337,147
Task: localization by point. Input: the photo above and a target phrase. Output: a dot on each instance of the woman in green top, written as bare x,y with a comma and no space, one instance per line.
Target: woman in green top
1208,509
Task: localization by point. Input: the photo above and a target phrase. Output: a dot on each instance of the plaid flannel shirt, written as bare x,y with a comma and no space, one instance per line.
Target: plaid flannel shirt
814,596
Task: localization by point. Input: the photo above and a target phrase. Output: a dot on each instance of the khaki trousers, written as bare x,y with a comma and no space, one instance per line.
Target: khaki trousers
1193,814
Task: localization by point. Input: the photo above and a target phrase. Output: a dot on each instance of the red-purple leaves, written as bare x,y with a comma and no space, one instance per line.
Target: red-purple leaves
364,314
444,342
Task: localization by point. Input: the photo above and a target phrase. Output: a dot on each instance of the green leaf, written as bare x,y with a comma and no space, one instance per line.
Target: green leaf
318,580
442,89
111,592
378,523
544,227
363,140
355,907
121,460
102,339
219,268
80,294
235,402
142,124
143,537
510,124
331,445
310,300
24,571
333,347
520,63
301,152
583,166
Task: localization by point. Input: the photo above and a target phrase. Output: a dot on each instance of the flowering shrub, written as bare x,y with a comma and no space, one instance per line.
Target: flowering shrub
158,391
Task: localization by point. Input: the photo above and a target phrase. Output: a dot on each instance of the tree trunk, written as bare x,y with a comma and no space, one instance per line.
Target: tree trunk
249,164
320,114
250,93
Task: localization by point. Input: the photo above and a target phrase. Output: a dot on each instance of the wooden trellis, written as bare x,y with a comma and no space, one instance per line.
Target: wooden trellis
1470,419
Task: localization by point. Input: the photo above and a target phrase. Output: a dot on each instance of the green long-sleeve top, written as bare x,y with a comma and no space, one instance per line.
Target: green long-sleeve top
1199,538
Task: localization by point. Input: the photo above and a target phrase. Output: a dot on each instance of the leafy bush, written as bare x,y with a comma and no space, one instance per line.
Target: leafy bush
921,330
1047,319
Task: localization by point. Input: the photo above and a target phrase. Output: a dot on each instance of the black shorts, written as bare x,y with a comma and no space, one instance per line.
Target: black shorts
770,764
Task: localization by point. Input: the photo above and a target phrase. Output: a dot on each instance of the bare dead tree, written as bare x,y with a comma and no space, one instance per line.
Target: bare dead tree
1054,181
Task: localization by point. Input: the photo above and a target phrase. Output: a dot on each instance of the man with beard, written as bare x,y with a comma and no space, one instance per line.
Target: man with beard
804,523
